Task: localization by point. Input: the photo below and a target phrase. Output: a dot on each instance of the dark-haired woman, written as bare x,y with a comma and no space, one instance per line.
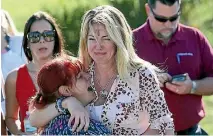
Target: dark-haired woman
41,42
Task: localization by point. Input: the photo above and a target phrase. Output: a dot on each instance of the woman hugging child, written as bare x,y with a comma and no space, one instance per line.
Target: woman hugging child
64,73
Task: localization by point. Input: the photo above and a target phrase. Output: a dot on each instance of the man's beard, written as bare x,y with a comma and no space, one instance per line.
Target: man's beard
164,36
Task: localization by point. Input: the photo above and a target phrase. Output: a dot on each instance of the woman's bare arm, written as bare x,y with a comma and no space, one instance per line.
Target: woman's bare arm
40,117
12,107
3,126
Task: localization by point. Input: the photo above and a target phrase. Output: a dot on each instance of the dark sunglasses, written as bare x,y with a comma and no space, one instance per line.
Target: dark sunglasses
34,37
165,19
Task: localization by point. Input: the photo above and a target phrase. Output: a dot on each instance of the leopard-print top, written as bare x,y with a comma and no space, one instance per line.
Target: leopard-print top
134,104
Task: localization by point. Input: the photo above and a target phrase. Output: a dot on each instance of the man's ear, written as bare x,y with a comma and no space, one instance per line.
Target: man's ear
147,8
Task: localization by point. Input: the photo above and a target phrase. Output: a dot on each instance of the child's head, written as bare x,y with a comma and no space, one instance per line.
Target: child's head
56,73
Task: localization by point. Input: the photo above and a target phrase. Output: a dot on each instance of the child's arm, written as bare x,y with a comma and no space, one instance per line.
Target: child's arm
40,117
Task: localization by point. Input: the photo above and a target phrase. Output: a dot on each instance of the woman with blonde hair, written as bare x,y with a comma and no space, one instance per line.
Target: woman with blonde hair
8,23
10,45
129,99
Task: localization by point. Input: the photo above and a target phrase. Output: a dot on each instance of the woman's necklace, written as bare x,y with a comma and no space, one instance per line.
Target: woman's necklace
103,91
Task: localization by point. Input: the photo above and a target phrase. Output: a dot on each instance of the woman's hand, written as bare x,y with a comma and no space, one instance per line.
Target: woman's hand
65,90
41,117
79,116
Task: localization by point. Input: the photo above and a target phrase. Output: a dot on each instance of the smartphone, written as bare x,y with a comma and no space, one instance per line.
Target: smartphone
181,77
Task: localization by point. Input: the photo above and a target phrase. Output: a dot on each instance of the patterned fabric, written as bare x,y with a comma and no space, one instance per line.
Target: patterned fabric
135,104
59,126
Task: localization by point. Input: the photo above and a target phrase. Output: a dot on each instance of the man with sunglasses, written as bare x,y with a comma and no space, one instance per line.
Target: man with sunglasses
177,49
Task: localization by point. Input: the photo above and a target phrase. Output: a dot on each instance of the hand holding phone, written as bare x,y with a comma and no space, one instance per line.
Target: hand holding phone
181,77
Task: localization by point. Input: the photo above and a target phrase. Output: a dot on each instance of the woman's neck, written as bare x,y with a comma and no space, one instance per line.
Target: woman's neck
37,64
105,71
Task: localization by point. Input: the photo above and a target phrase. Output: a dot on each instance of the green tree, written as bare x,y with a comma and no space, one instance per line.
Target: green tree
198,13
69,14
133,10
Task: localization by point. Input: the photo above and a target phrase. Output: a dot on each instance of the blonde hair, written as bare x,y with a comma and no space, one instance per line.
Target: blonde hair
119,32
7,23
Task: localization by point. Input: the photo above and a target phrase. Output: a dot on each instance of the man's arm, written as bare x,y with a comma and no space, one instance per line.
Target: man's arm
203,86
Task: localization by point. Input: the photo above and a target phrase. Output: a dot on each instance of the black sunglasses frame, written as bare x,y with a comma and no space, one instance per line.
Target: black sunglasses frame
165,19
45,34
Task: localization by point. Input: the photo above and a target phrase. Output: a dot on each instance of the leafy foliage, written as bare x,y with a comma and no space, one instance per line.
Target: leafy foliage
70,21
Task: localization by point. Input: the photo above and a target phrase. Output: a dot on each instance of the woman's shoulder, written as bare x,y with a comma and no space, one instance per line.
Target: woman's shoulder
10,82
140,72
147,75
146,70
12,76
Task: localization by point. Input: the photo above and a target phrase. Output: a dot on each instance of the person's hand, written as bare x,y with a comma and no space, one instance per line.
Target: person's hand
180,87
82,84
79,115
65,90
163,78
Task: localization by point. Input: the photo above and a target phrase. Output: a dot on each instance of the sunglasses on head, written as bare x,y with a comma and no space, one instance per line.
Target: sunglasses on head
165,19
34,37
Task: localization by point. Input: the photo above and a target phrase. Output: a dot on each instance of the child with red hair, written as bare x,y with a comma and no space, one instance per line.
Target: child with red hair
63,73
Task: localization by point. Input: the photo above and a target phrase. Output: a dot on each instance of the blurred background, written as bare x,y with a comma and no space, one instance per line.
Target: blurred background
68,13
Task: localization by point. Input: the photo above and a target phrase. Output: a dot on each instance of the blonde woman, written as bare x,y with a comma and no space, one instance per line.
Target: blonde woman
8,23
14,37
10,45
129,99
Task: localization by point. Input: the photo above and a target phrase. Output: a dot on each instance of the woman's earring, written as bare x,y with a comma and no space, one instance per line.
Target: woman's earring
28,51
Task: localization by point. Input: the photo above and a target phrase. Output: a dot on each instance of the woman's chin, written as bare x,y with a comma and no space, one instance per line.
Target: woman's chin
45,57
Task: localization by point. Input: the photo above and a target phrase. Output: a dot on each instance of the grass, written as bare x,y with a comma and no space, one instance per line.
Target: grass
207,122
21,10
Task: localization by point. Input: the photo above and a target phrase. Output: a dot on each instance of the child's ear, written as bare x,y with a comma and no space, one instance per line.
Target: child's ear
65,91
